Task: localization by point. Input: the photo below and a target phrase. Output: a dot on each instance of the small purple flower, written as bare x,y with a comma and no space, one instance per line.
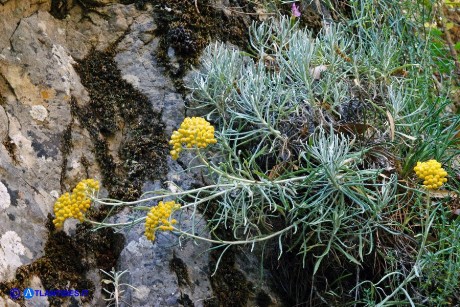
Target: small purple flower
295,10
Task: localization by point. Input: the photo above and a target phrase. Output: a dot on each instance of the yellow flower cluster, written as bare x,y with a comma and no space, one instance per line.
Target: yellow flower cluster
158,218
74,205
432,173
194,131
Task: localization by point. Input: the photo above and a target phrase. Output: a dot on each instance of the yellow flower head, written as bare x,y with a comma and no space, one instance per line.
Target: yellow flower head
75,204
193,132
432,174
158,218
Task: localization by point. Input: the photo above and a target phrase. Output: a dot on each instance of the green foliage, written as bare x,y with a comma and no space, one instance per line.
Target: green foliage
442,272
317,137
439,51
298,166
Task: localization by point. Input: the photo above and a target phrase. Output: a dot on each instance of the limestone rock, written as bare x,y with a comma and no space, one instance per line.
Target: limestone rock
11,252
37,80
37,110
5,199
98,30
8,302
36,283
149,263
12,12
3,124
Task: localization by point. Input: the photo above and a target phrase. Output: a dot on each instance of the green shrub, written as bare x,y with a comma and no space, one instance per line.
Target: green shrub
317,138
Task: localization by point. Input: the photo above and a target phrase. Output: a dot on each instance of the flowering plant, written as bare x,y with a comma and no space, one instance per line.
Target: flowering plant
295,11
159,218
432,174
75,204
193,132
290,165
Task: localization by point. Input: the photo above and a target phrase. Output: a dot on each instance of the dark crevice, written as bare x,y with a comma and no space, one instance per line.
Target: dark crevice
180,268
66,148
11,148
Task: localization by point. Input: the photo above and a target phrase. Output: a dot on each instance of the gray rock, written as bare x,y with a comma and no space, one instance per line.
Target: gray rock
145,74
12,12
149,263
3,124
37,80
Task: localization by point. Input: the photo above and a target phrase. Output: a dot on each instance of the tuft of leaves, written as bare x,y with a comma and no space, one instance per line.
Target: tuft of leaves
317,140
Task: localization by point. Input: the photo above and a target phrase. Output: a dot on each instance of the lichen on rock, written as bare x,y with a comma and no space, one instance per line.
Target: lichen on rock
39,113
11,250
5,200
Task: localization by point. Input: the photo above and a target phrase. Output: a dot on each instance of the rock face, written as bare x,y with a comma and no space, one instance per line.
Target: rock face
54,133
36,81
